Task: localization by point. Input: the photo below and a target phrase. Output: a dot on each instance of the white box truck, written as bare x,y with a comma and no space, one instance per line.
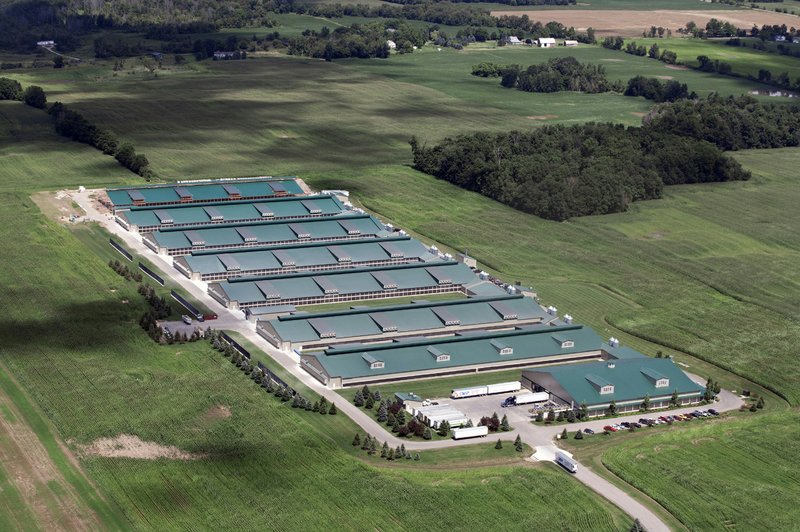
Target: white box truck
503,387
534,397
470,432
475,391
566,461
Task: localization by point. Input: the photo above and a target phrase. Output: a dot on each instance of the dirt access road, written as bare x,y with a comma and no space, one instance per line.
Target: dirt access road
632,23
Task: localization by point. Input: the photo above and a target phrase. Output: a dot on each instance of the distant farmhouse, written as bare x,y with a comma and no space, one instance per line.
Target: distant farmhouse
514,40
230,55
46,44
546,42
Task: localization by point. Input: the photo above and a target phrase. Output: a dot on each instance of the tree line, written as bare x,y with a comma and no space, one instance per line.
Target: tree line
508,2
657,90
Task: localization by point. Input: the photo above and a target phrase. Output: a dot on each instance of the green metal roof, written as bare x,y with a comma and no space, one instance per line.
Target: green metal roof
258,290
402,357
628,376
406,318
306,255
268,232
232,211
205,191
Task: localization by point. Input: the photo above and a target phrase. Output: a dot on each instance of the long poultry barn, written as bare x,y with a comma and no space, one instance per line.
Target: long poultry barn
176,242
293,258
203,192
418,319
524,347
148,219
341,286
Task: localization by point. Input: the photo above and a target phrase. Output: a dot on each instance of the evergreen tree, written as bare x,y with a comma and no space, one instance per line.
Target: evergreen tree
495,421
390,419
753,407
390,454
296,401
377,396
315,408
673,401
469,424
323,408
408,456
356,440
584,410
416,457
551,415
760,403
570,416
332,411
646,403
499,444
382,414
401,417
373,447
398,453
358,400
504,424
427,434
560,416
367,442
564,434
539,417
444,428
365,392
518,444
369,402
637,526
403,449
396,426
385,450
612,408
579,435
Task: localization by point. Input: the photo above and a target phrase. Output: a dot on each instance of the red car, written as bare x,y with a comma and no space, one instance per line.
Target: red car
609,428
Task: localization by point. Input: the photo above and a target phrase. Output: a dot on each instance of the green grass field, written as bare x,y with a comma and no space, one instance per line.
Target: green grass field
712,475
744,61
705,274
73,344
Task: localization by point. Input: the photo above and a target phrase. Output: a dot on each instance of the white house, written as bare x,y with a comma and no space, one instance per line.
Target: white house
514,40
46,44
546,42
780,38
569,43
391,44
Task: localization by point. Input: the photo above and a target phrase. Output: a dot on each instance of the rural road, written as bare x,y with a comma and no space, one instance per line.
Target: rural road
540,438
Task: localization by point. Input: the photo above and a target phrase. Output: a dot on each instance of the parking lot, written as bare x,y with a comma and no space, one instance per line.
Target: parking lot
179,326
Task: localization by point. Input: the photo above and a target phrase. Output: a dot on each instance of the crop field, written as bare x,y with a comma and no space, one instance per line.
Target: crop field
742,60
720,475
70,339
631,22
236,118
640,5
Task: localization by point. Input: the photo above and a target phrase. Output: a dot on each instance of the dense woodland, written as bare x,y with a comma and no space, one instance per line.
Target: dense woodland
657,90
557,172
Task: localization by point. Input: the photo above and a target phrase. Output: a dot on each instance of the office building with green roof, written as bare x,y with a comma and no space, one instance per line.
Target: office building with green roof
341,286
304,331
524,347
203,191
321,256
176,242
148,219
624,381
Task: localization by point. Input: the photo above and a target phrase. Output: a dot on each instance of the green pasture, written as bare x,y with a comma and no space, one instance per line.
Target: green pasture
743,60
717,476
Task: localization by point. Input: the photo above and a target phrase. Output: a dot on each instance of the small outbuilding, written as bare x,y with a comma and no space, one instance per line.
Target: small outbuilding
514,40
546,42
391,44
570,43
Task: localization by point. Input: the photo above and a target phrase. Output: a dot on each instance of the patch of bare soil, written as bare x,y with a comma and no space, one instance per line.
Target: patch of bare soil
638,113
665,77
677,67
631,23
56,205
217,412
131,446
542,117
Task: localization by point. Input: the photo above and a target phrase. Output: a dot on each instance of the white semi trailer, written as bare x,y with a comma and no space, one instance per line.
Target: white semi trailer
470,432
566,461
534,397
503,387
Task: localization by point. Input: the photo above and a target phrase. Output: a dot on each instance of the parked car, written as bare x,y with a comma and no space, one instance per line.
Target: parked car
625,424
186,319
636,425
609,428
713,412
588,431
663,418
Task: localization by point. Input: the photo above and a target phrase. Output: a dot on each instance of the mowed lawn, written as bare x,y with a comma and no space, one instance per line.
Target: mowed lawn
70,337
